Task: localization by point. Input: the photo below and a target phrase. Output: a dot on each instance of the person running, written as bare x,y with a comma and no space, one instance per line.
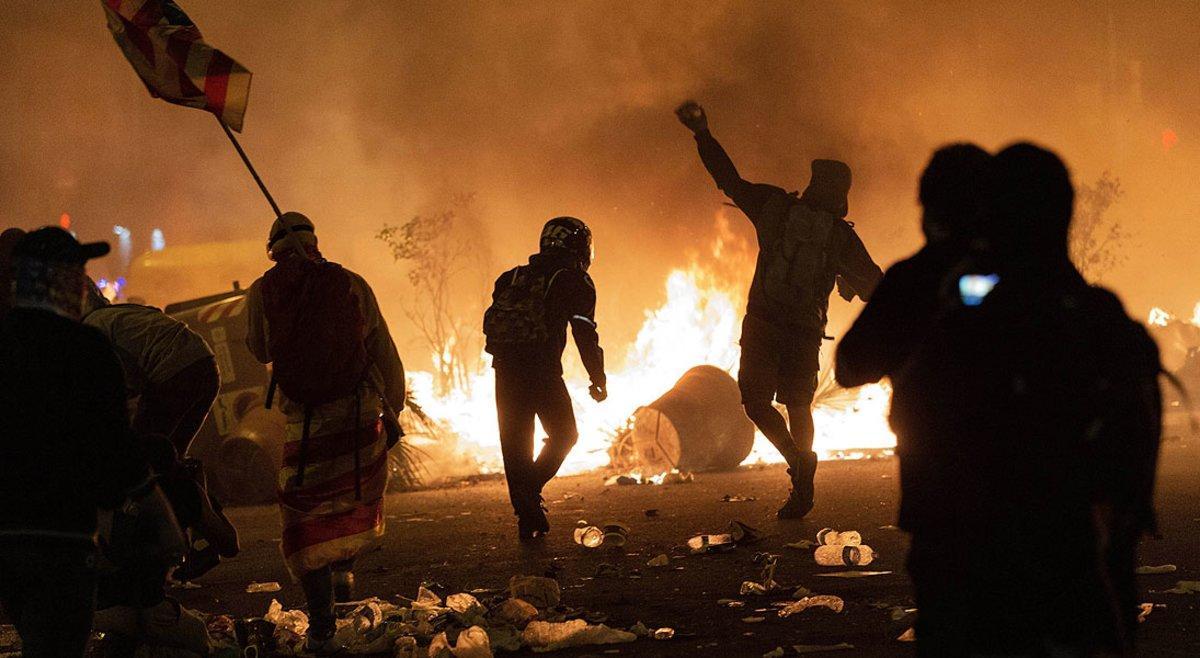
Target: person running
526,331
805,245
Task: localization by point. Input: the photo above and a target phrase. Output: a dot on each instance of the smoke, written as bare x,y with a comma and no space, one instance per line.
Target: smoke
369,112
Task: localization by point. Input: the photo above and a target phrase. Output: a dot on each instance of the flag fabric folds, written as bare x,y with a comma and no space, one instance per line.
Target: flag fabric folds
169,54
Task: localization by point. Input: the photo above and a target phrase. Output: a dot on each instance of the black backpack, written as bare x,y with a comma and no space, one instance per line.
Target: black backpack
517,315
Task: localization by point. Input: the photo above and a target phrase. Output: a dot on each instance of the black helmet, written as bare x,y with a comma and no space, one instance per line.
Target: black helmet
569,235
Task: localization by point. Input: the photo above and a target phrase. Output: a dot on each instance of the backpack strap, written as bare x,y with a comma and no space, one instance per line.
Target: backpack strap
302,458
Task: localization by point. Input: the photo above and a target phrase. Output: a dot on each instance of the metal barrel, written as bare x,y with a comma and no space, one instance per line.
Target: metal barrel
698,425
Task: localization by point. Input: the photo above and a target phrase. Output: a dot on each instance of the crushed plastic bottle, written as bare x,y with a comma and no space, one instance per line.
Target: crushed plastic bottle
664,633
831,537
589,536
834,603
705,543
839,555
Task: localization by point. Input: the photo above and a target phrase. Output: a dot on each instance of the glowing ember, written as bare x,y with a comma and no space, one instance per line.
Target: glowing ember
699,323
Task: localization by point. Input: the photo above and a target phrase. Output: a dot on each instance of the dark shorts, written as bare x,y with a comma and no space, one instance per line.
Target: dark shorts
778,364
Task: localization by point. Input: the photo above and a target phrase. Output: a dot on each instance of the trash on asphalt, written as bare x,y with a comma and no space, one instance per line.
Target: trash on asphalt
834,603
802,545
737,498
589,536
831,537
539,591
660,560
515,612
754,620
837,555
550,636
462,603
258,588
1184,587
1154,570
737,533
777,652
664,633
908,636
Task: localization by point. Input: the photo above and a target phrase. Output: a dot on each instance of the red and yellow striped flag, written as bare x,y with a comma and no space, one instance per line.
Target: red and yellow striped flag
169,54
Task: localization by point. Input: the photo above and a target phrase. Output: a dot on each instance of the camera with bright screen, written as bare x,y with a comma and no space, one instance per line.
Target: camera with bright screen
973,288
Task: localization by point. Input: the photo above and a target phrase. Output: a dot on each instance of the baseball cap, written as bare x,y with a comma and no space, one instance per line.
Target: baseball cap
55,244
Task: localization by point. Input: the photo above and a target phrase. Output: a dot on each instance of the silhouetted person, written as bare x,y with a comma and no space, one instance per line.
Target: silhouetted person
169,369
805,244
905,303
341,384
65,449
8,240
526,329
1030,416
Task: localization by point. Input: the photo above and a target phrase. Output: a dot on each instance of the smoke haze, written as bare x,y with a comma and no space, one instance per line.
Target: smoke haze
363,113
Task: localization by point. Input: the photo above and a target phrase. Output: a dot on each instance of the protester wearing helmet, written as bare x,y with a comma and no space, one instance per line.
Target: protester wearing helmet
526,329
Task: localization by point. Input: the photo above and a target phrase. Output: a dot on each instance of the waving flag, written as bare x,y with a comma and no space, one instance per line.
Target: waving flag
169,54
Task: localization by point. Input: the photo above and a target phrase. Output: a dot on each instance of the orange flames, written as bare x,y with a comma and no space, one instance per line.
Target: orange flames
698,323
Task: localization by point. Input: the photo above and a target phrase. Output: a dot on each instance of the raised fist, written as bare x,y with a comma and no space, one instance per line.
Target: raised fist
692,115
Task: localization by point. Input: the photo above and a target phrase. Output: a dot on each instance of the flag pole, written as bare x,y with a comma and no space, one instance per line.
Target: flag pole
246,161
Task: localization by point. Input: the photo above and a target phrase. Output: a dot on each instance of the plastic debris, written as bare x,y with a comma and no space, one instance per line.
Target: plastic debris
664,633
259,588
536,590
754,620
660,560
831,537
802,545
1144,610
836,555
777,652
834,603
710,543
473,643
908,636
819,648
853,574
750,588
550,636
739,533
440,647
589,536
639,629
737,499
462,603
1153,570
1184,587
515,612
426,600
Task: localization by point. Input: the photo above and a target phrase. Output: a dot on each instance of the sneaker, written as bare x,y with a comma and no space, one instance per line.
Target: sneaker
796,507
532,523
800,501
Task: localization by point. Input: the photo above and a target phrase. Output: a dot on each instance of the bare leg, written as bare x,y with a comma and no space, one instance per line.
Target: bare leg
773,426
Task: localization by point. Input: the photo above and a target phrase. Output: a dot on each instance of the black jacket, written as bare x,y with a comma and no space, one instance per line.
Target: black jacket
769,208
65,443
570,299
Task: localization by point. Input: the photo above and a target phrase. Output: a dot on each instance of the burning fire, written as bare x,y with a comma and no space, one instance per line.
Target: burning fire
699,323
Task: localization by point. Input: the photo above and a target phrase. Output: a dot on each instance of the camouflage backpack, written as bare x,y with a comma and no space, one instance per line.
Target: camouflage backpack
517,315
798,259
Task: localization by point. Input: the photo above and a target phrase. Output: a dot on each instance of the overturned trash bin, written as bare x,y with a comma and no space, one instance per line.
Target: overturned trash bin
249,458
698,425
